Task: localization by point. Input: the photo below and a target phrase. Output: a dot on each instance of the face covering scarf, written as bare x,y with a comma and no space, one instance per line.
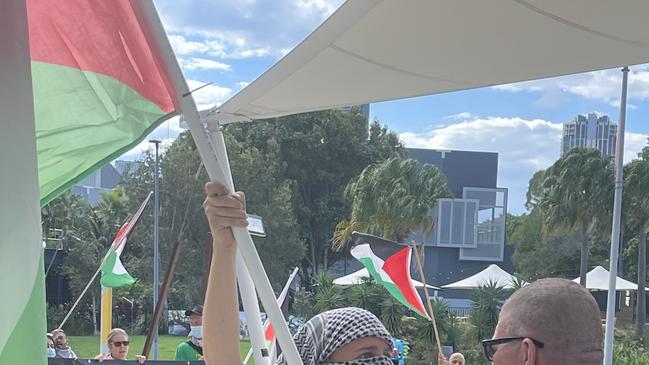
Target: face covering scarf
321,336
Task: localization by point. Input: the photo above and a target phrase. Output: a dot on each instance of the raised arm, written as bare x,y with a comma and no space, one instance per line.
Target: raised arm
221,314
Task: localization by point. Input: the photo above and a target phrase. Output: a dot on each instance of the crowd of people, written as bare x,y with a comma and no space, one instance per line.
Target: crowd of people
118,343
550,321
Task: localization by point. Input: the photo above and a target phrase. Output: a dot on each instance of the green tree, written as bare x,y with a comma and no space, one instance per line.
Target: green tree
487,302
321,152
534,190
577,193
392,199
636,214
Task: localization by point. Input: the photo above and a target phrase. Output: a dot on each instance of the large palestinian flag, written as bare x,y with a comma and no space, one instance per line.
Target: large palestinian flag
389,264
99,86
81,82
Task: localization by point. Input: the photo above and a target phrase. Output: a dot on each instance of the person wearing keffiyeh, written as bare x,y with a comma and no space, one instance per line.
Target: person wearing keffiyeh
345,336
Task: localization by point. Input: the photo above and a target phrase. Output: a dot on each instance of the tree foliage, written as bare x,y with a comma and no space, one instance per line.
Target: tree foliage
577,194
321,152
392,199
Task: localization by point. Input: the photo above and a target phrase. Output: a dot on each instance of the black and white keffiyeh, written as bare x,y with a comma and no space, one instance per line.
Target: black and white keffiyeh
329,331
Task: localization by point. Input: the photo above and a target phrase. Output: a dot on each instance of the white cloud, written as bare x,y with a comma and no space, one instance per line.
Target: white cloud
196,63
459,116
524,147
604,86
182,46
243,28
209,95
243,84
220,45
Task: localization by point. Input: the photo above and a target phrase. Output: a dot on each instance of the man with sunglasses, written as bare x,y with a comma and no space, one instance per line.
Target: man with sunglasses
551,321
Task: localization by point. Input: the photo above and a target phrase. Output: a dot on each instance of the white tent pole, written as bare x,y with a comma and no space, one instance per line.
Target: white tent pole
280,301
617,217
214,158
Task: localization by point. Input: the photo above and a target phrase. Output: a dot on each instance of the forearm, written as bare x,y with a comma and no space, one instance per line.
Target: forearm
221,315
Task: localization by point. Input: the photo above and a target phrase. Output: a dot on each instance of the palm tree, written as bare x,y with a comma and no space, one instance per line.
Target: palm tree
487,300
391,199
577,193
636,214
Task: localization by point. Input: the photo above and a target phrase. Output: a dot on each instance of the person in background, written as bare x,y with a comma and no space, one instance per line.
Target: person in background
50,346
118,347
550,321
456,359
192,349
61,347
350,336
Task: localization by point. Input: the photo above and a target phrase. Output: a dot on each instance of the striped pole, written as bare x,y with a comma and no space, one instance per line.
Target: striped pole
106,318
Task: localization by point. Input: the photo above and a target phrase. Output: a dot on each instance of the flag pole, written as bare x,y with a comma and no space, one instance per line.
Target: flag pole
103,260
85,289
166,284
430,304
615,231
280,300
214,156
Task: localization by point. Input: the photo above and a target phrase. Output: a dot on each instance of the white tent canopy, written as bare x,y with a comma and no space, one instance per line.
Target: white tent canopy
356,278
375,50
597,279
493,273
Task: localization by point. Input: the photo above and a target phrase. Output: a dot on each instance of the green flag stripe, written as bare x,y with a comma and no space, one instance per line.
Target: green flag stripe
83,121
390,286
111,279
22,348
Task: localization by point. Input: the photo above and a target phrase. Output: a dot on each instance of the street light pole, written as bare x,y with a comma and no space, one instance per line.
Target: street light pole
156,238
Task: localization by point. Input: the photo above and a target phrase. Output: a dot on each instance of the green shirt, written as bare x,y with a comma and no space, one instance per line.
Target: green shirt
185,352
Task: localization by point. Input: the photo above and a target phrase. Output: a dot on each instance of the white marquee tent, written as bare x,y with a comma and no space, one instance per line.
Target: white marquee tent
357,278
597,279
492,274
375,50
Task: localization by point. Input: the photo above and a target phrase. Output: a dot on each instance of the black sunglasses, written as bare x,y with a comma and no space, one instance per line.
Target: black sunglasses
120,343
490,345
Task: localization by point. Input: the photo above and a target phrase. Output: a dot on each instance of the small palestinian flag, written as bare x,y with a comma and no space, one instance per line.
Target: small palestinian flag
389,264
113,273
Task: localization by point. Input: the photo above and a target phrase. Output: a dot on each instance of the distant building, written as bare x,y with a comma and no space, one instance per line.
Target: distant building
365,110
593,131
102,180
470,228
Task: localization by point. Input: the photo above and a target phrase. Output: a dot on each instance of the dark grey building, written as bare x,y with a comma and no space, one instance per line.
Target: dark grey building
470,228
593,131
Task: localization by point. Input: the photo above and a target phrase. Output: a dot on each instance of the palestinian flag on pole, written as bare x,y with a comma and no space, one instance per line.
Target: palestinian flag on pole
99,84
389,264
113,273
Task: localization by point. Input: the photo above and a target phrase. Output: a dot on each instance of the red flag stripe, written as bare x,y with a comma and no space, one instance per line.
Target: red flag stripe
99,36
397,267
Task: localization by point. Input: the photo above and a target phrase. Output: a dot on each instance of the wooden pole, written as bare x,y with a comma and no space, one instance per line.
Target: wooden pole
161,299
430,304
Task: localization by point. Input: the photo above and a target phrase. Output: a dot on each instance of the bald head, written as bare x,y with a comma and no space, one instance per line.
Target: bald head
561,314
456,359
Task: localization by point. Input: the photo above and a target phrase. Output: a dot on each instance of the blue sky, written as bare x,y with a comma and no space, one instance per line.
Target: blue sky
230,43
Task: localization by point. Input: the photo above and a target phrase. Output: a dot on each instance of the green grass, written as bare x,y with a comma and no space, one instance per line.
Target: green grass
87,347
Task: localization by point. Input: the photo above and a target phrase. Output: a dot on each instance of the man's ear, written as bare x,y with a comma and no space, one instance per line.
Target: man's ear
528,352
